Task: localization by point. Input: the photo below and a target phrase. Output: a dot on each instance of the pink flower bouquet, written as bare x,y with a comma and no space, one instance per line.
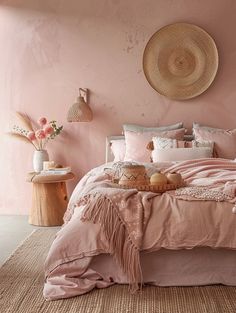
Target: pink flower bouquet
38,137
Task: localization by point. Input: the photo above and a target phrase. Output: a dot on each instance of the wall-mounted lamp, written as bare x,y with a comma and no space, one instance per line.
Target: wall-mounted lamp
80,111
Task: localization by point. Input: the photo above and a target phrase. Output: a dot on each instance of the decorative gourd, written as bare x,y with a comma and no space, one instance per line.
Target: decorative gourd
174,178
158,179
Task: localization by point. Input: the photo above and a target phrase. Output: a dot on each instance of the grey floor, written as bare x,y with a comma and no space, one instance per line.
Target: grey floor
13,230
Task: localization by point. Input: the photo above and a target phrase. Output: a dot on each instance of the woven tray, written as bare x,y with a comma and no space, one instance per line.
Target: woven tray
152,188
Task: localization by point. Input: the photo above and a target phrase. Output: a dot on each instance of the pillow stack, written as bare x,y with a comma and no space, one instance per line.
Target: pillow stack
168,143
133,146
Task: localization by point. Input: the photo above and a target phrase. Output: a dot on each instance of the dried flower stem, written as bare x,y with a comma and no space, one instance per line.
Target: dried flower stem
25,120
21,137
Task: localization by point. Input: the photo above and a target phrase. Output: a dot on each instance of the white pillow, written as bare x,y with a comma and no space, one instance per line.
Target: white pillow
118,149
180,154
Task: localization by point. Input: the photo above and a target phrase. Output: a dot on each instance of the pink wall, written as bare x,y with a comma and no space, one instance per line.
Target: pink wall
51,48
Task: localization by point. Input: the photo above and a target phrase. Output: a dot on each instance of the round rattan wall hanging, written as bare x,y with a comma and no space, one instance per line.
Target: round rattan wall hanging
180,61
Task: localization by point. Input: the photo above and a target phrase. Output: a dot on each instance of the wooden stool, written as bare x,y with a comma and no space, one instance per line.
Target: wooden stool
49,200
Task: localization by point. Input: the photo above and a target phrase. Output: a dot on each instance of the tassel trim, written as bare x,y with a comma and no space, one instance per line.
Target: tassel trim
100,210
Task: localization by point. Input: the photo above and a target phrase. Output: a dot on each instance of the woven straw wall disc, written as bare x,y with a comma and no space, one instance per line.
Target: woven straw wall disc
180,61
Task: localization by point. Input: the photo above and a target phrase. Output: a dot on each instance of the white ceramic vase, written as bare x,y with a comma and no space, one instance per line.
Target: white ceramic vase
39,157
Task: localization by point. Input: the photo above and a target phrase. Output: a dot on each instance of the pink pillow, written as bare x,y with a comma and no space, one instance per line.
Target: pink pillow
136,143
225,140
118,149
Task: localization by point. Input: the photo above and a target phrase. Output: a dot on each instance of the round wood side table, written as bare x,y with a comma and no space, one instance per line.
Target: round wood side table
49,199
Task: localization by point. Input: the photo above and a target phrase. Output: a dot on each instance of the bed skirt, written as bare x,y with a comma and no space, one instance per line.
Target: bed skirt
193,267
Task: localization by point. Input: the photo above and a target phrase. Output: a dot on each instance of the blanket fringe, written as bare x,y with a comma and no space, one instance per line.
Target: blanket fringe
101,210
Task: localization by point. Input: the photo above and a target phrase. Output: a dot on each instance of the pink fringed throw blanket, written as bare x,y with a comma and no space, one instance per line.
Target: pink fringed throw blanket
123,216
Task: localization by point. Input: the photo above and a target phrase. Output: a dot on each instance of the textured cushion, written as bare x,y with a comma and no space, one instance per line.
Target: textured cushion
203,143
140,129
224,140
180,154
136,143
165,143
118,149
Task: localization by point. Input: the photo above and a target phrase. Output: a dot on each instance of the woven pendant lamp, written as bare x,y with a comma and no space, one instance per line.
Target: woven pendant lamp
80,111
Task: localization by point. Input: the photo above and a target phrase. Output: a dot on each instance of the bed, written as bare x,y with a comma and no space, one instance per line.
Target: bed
186,241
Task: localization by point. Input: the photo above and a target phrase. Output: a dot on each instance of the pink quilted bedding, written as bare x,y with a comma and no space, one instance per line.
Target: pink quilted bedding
103,219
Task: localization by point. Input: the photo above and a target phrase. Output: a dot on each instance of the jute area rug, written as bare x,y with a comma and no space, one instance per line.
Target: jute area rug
21,285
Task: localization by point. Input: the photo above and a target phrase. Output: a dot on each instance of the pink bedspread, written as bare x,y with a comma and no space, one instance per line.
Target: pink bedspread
171,223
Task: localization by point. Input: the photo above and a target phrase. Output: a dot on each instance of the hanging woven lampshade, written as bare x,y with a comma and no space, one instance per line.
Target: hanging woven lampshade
80,111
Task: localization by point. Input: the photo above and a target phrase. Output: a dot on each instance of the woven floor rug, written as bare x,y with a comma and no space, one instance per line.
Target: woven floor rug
21,284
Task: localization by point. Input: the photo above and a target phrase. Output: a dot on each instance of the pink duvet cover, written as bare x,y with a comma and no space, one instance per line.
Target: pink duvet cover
173,223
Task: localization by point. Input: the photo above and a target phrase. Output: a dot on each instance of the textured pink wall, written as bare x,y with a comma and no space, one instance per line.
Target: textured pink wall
51,48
